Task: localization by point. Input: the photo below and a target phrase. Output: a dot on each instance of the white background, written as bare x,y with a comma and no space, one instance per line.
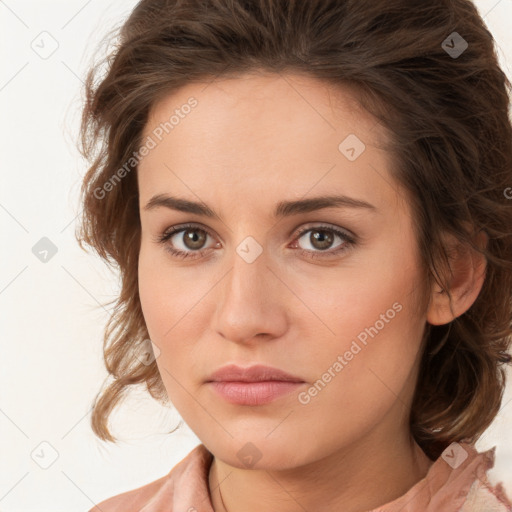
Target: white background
52,316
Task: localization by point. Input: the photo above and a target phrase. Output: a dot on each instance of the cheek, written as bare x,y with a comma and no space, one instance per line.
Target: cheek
378,333
358,374
171,303
163,296
162,301
150,293
372,329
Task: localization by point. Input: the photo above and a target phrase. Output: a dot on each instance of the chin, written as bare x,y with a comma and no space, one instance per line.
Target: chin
258,453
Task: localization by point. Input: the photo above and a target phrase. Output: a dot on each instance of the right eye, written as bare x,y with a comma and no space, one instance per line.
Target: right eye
192,239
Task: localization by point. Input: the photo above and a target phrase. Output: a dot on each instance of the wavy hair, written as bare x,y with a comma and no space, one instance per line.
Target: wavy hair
445,105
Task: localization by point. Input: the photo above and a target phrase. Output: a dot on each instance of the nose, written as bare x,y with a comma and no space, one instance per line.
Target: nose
251,302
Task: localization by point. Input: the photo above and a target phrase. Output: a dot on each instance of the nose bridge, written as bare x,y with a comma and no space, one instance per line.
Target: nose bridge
247,305
248,276
249,258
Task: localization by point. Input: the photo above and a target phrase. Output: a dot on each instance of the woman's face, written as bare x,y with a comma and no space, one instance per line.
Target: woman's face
327,294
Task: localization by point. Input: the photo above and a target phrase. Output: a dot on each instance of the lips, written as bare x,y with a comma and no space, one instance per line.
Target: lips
253,386
256,373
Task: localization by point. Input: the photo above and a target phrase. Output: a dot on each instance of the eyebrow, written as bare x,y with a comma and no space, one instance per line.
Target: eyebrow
283,208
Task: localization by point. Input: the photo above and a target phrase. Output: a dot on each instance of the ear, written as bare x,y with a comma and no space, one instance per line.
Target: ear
468,268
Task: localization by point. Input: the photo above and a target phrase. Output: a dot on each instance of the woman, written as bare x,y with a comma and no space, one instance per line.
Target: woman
307,204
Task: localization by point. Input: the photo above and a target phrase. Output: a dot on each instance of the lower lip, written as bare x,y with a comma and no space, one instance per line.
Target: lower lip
254,393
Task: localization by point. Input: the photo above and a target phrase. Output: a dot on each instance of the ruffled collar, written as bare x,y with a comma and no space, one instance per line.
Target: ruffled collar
448,482
456,481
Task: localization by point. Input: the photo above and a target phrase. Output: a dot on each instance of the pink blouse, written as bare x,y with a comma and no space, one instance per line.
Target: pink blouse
456,482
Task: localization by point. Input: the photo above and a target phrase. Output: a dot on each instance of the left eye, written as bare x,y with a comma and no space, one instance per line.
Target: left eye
319,241
318,238
194,238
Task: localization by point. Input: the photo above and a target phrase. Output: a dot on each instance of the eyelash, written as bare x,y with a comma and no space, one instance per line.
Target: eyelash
350,241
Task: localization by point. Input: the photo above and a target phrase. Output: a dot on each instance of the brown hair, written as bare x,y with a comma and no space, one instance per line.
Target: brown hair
451,140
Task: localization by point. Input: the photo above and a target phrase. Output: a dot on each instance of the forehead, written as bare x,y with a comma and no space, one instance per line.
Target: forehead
264,135
263,100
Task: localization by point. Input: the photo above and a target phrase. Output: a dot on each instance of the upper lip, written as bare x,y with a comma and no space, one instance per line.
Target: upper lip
256,373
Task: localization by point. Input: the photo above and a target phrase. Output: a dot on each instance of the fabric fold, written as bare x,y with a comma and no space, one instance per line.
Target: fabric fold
456,482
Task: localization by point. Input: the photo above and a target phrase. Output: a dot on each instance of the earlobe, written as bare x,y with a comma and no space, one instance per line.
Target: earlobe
468,268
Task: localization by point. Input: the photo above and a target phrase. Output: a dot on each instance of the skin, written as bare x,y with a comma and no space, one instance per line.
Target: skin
249,143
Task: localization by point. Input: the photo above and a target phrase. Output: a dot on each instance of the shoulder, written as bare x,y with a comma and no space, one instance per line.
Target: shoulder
131,501
482,496
185,481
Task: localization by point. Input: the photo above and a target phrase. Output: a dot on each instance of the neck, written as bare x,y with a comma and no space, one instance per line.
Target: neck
366,475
